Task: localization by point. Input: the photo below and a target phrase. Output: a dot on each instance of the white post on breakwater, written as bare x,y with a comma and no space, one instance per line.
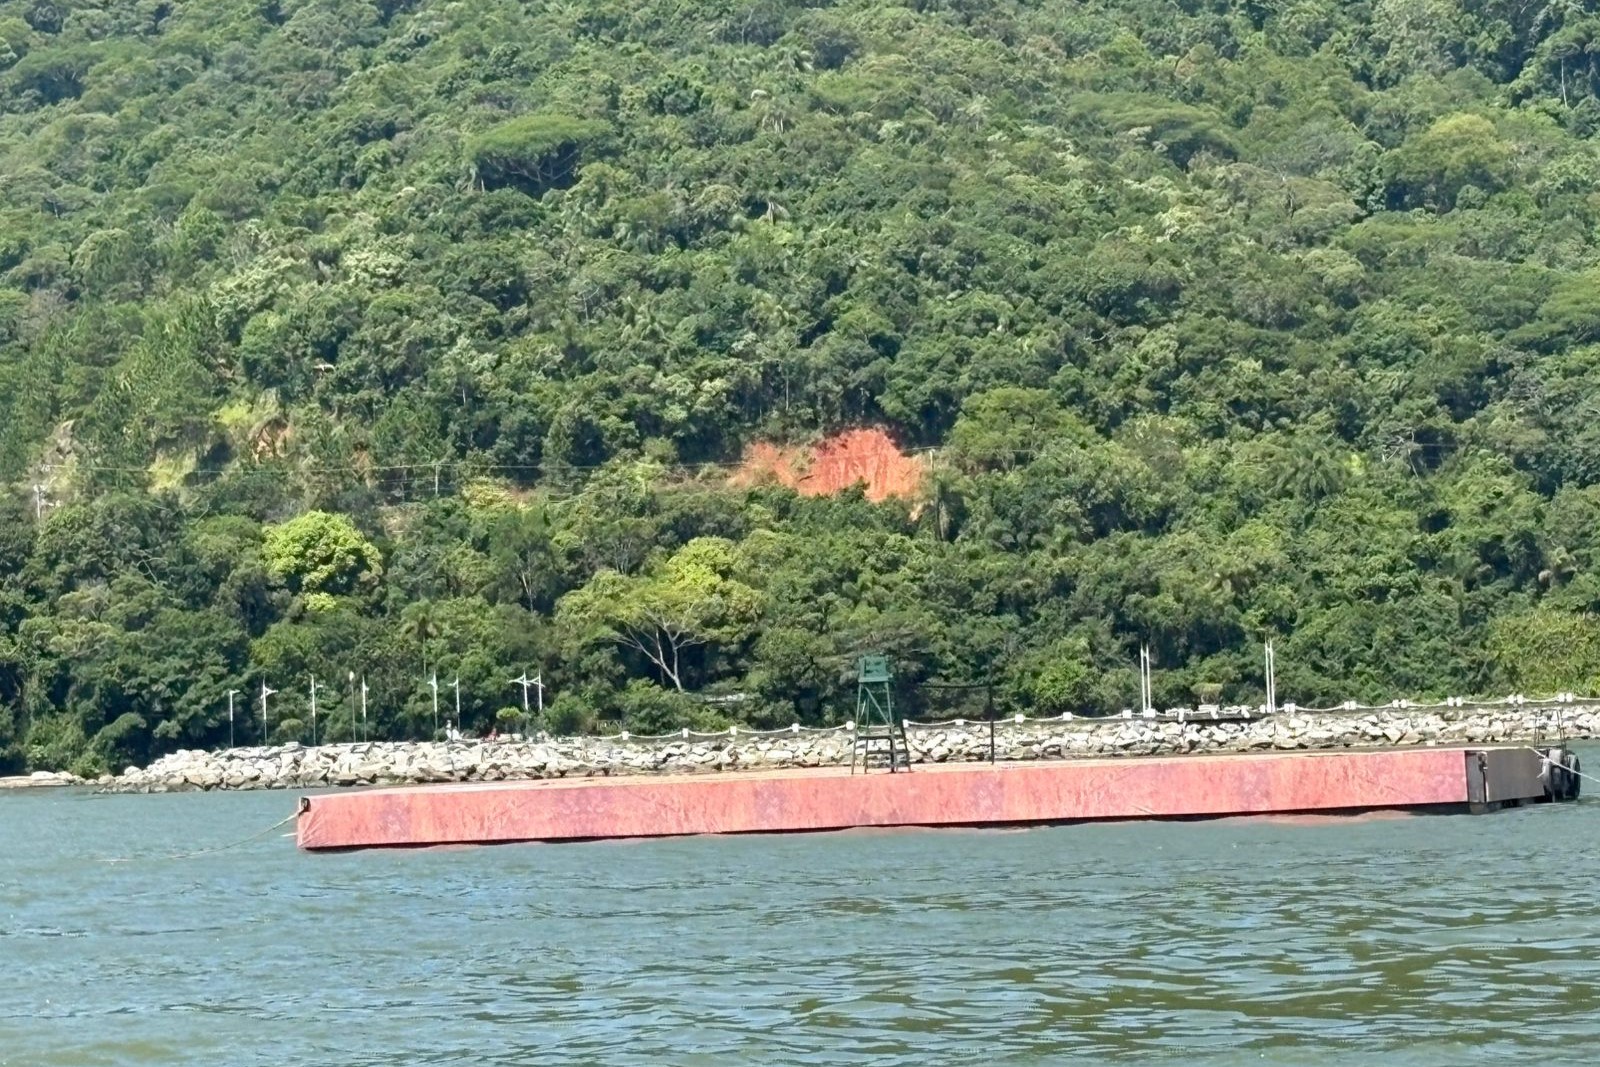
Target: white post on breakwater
433,683
1146,681
313,710
1272,679
524,681
265,693
536,682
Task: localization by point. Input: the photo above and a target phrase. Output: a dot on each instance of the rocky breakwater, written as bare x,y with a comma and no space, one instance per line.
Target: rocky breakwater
394,763
1173,734
41,779
295,766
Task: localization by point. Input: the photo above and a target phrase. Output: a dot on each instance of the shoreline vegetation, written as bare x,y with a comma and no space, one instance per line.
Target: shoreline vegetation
422,762
678,354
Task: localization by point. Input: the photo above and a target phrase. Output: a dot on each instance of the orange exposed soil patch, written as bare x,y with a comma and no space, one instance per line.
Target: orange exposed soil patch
833,464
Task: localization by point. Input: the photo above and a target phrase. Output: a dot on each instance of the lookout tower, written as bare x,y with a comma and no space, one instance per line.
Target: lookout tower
880,739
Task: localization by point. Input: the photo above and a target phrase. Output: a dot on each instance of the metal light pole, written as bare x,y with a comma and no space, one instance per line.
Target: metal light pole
313,711
231,692
350,677
1146,680
433,683
365,733
265,693
456,685
1272,679
1144,684
526,683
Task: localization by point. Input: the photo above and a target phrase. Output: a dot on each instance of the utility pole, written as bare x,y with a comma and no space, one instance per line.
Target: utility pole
456,685
265,693
365,733
350,677
313,711
231,692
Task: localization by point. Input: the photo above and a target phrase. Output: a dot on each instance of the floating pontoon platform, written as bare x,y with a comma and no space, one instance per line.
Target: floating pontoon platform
969,794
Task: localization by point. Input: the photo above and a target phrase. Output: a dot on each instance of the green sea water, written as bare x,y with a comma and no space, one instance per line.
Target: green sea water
1430,940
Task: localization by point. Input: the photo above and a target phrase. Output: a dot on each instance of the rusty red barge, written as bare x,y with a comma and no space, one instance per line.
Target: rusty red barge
951,795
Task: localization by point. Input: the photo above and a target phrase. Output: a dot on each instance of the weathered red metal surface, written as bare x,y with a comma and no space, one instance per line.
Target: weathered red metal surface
832,799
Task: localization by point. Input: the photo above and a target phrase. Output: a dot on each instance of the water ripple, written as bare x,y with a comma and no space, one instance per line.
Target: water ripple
1414,942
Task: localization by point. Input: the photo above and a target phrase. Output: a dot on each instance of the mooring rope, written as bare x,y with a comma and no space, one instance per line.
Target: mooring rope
1546,761
215,848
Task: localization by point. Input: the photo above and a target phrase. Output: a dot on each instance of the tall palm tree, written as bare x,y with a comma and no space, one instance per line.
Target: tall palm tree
419,622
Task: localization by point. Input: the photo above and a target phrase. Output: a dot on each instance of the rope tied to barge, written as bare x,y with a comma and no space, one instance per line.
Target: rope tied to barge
1546,764
280,824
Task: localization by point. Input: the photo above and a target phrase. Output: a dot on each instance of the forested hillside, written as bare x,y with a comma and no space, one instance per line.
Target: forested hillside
399,337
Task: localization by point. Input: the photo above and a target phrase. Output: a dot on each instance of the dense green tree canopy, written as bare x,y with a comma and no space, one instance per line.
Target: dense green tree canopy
689,600
320,556
344,338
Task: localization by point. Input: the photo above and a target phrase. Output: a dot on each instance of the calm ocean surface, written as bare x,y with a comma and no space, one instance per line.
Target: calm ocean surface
1428,940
